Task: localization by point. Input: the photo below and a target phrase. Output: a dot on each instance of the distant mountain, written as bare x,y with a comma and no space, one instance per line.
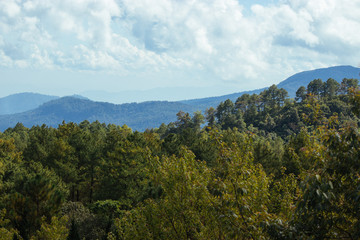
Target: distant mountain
79,96
338,73
290,84
156,94
22,102
138,116
203,103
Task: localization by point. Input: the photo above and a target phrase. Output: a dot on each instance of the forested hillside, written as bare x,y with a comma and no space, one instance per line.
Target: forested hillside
36,109
337,73
262,167
291,84
138,116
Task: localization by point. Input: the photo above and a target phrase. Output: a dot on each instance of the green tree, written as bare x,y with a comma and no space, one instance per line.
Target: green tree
273,97
210,116
225,114
300,94
242,191
56,229
331,88
316,87
347,83
183,120
181,213
6,231
197,120
355,101
82,223
10,165
329,206
243,102
252,114
20,135
228,116
36,193
228,201
122,168
88,143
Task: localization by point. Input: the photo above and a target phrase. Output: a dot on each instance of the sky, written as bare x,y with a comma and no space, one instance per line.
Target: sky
214,47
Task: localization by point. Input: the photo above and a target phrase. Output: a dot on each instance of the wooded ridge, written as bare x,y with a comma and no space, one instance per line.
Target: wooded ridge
138,116
265,166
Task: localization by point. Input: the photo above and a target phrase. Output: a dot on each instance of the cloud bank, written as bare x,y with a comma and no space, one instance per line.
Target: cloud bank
219,39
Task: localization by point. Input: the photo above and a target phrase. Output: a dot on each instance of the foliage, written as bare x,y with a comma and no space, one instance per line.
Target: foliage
6,232
55,230
262,167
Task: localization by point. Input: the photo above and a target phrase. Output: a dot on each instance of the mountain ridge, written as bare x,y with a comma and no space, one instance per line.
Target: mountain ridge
290,84
138,116
21,102
149,114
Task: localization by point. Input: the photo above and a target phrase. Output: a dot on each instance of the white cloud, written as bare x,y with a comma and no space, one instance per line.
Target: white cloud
213,38
9,8
5,61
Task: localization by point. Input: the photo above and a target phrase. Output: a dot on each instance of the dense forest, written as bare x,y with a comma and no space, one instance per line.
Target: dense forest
263,167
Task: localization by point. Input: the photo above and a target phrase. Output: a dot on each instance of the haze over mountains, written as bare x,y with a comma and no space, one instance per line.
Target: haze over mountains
22,102
37,109
338,73
156,94
138,116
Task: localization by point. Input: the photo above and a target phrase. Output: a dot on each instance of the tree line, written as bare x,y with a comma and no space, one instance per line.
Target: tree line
264,167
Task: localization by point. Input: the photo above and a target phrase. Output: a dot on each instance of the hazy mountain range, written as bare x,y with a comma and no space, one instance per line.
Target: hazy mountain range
138,116
156,94
290,84
36,109
22,102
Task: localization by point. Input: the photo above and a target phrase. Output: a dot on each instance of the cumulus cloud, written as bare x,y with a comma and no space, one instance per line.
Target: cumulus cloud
215,38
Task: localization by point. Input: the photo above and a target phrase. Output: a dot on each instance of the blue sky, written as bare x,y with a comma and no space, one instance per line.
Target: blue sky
64,47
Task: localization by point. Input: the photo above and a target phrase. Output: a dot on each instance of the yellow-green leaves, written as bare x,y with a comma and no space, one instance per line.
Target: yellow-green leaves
227,201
